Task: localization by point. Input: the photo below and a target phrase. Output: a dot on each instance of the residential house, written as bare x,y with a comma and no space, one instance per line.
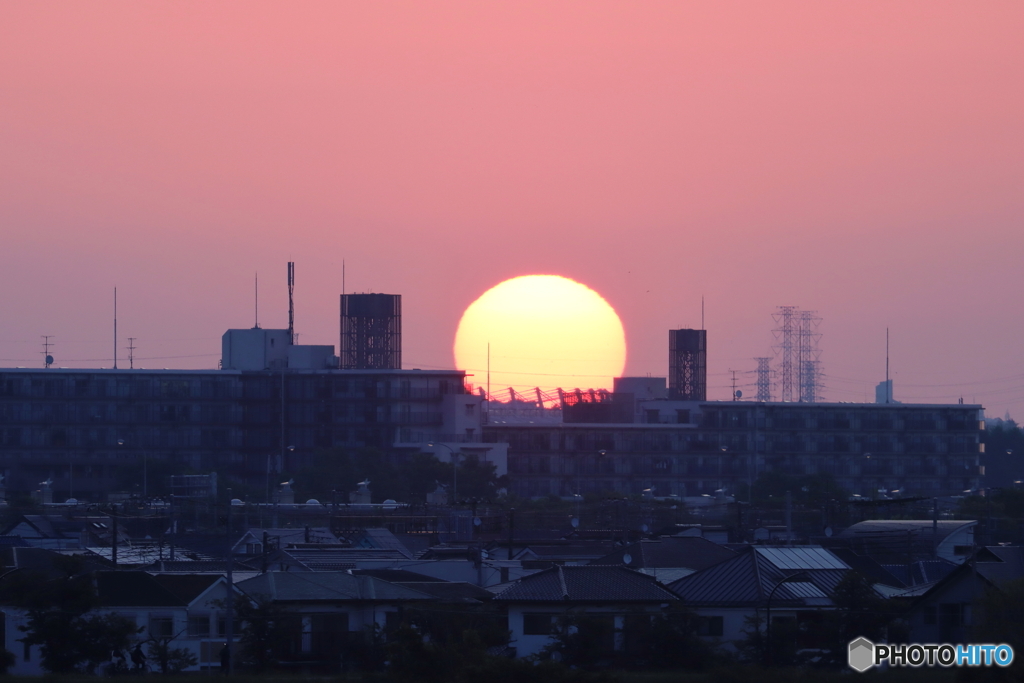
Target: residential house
326,608
727,594
608,596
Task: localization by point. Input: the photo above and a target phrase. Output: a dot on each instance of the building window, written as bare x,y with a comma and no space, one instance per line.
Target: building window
199,626
161,626
537,624
469,410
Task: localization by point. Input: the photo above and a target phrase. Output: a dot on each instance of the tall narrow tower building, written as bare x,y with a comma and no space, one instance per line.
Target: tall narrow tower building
371,332
687,365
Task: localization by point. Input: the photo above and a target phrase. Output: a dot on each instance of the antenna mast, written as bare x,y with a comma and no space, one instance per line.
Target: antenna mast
47,358
888,387
291,302
115,328
257,301
131,352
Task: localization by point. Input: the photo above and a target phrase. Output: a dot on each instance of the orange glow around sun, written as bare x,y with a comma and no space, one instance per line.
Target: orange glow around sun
544,331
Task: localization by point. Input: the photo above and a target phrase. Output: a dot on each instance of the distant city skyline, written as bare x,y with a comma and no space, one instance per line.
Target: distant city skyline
863,162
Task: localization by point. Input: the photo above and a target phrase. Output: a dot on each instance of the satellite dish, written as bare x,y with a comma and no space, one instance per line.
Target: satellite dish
627,559
237,501
312,501
644,528
828,531
49,360
575,522
739,394
477,521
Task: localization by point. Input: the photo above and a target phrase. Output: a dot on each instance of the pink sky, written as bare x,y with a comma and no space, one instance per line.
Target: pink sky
864,160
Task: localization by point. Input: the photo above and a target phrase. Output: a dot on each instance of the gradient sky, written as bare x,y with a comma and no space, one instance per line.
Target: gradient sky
864,160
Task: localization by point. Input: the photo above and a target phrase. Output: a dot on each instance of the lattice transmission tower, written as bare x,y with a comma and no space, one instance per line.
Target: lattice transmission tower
808,355
786,322
798,354
764,379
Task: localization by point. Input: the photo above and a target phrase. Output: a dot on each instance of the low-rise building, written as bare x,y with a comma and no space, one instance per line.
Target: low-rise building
694,448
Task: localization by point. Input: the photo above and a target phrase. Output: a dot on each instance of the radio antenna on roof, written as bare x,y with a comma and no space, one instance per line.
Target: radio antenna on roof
291,302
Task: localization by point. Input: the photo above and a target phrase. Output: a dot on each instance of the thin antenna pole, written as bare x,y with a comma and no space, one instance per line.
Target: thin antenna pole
488,376
291,302
46,349
131,352
342,276
257,301
888,387
115,328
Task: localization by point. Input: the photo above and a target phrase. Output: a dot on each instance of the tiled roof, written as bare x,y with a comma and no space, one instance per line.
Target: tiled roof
451,591
336,559
380,538
922,571
677,552
326,586
917,526
587,583
868,567
750,577
397,575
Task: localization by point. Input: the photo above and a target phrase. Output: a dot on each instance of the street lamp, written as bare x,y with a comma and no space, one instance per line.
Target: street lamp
455,468
799,576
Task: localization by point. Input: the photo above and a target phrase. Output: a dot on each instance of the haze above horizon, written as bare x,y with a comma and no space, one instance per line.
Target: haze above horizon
862,161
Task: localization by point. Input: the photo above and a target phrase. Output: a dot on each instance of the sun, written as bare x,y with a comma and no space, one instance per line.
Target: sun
544,331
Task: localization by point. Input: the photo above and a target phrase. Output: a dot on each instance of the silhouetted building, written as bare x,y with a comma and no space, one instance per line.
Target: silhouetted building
86,430
371,331
693,448
688,365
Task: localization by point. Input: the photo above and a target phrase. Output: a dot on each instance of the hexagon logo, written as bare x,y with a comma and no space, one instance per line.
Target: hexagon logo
861,654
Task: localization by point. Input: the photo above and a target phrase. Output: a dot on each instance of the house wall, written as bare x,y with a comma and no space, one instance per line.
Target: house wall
947,615
529,645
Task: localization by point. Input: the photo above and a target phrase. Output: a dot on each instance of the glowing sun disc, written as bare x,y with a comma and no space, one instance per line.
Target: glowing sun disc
545,331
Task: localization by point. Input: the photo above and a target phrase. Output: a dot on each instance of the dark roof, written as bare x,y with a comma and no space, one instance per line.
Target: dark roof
690,552
1007,563
186,587
868,567
339,558
201,566
397,575
379,538
133,589
921,571
451,591
326,586
748,579
586,583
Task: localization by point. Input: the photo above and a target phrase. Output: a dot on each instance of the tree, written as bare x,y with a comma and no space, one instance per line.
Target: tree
340,470
263,636
61,621
172,660
70,643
